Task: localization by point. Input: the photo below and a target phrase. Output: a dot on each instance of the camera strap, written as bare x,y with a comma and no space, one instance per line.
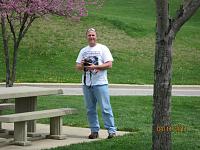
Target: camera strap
84,78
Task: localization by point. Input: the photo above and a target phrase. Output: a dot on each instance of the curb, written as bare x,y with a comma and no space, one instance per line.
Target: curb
78,85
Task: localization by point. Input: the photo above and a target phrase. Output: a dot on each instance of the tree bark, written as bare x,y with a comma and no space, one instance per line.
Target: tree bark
162,96
6,50
162,77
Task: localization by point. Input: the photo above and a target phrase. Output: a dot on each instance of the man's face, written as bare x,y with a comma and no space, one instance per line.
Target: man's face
91,37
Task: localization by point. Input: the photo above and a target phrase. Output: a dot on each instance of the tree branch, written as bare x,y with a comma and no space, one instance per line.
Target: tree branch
32,18
12,29
185,12
22,27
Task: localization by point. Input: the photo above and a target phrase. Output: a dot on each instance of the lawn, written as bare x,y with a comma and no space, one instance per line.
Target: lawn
49,50
133,114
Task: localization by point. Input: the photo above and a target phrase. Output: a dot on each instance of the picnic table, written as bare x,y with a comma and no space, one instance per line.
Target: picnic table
25,115
26,99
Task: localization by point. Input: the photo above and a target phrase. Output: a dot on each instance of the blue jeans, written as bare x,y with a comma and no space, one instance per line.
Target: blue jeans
100,94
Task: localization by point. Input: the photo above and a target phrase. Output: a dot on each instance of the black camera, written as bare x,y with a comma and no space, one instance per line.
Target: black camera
91,60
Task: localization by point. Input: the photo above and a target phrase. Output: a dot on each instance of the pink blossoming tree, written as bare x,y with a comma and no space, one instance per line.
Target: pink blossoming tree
18,15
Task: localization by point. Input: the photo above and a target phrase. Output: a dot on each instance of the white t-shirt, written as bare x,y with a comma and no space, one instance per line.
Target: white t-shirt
99,54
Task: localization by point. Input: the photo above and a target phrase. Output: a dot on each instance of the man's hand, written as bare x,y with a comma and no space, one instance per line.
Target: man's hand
90,67
80,66
104,66
107,65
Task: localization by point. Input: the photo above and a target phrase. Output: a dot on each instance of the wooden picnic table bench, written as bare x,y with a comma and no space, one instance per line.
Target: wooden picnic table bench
20,123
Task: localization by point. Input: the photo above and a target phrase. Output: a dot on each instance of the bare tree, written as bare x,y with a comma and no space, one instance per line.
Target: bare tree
166,31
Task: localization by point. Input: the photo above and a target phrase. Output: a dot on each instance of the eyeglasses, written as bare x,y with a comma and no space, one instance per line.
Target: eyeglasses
91,29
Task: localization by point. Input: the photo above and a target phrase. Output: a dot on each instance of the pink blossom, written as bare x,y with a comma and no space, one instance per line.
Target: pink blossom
68,8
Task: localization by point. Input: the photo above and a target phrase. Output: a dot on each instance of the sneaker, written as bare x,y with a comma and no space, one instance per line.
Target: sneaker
93,135
111,135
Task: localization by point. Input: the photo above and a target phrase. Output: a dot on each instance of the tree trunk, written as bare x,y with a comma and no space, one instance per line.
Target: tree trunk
6,51
16,40
165,33
162,97
14,65
161,133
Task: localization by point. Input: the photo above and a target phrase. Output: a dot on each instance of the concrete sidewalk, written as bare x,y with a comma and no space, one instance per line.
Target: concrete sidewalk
74,135
119,89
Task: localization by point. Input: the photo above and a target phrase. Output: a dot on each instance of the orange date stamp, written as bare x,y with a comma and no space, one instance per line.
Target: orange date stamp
175,128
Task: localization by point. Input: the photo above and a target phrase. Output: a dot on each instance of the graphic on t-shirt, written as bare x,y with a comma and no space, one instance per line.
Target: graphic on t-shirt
91,60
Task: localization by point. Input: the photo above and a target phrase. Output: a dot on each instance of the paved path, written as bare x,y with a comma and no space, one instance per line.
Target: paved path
137,91
73,135
122,89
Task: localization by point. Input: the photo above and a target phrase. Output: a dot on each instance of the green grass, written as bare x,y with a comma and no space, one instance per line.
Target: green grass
49,50
133,114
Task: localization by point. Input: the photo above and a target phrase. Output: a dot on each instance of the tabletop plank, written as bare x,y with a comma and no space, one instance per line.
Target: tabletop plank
27,91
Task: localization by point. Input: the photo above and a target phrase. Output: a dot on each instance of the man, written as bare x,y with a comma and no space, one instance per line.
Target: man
94,60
